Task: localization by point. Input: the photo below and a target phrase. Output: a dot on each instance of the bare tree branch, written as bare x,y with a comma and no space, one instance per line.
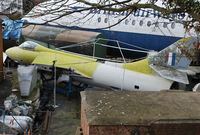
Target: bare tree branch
58,9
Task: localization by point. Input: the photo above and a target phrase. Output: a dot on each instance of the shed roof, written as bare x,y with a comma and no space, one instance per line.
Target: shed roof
137,107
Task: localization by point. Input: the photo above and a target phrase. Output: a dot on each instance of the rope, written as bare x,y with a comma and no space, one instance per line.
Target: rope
122,83
91,42
139,49
121,42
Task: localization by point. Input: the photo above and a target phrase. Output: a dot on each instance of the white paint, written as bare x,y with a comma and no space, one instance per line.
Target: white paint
63,78
196,87
27,77
4,57
164,27
169,62
19,123
120,65
119,77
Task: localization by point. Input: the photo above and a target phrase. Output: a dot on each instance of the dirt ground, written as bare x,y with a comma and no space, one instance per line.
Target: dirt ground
5,90
66,118
7,84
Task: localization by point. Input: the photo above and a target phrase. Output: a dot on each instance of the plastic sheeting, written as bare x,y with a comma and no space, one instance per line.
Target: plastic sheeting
12,29
20,123
27,76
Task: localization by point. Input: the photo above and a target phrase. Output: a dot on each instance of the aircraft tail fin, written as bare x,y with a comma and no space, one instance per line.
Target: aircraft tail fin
176,56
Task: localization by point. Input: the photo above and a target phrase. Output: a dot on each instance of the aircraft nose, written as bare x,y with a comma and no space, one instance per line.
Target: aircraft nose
10,52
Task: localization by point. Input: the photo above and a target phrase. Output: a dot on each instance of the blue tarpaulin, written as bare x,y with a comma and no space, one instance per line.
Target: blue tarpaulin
12,29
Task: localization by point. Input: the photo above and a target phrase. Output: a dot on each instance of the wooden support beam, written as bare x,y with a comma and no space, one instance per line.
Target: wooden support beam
1,52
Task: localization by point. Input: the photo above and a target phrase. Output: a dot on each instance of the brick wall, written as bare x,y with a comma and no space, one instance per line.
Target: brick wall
110,130
164,127
170,128
158,129
176,129
84,122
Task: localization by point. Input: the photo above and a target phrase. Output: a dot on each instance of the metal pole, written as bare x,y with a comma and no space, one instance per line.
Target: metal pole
54,88
1,52
54,91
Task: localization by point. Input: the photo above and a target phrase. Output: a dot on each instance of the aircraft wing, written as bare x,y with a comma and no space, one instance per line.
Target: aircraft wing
171,74
192,70
82,66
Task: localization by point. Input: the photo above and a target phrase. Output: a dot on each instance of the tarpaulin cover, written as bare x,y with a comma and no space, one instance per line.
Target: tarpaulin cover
12,29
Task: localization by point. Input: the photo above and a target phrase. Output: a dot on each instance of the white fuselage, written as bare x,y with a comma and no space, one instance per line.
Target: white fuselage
117,75
128,80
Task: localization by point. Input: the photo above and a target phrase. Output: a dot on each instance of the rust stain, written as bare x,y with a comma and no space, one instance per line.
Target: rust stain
185,52
196,45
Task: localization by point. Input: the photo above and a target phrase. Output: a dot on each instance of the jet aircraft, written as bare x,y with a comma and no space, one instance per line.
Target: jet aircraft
156,72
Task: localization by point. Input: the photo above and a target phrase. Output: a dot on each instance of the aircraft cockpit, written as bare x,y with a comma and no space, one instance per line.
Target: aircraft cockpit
28,45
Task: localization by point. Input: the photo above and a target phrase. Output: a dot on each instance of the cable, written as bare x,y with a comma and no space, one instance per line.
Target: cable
17,122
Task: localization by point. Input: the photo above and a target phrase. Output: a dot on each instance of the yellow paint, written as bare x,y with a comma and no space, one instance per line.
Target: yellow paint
82,65
141,66
25,56
44,49
184,40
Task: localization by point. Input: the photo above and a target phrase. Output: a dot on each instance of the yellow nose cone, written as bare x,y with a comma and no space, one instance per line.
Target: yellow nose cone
11,52
21,55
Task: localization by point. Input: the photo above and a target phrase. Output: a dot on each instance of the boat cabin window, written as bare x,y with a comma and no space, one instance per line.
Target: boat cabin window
28,45
173,25
133,22
141,23
106,20
149,23
99,19
126,21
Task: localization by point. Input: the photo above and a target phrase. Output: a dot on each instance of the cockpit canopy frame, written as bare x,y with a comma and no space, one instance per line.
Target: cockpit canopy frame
28,45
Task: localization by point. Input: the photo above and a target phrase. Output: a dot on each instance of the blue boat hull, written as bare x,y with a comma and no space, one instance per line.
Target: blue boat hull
147,41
